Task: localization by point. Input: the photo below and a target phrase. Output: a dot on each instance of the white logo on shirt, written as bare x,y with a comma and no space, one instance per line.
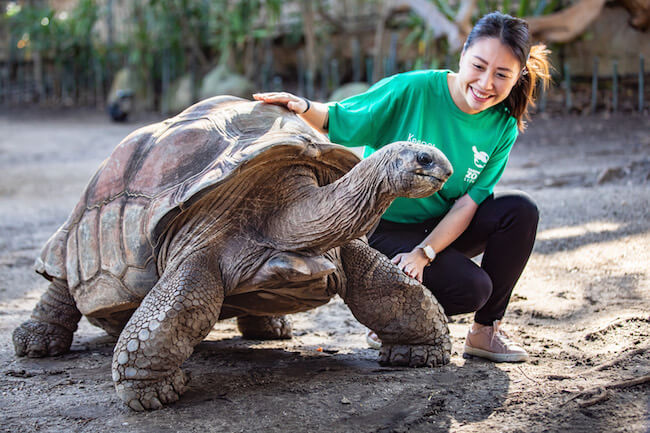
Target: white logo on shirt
412,139
471,175
480,158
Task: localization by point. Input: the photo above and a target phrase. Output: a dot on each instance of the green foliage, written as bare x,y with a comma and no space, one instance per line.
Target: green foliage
39,28
168,38
445,7
213,27
190,34
524,8
520,8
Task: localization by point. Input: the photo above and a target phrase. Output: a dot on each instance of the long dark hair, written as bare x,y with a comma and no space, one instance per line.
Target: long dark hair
513,33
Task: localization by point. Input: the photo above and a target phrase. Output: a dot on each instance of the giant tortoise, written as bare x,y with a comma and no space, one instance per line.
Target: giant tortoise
231,209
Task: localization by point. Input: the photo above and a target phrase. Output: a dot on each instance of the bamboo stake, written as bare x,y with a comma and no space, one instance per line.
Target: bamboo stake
615,87
567,87
356,60
641,74
594,86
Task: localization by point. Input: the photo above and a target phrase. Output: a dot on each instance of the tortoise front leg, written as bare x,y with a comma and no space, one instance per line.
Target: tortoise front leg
404,314
54,320
173,318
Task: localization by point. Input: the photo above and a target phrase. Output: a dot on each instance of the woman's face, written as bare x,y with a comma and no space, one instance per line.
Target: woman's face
488,72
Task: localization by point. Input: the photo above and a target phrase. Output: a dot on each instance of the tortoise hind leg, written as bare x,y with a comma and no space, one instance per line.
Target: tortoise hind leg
264,327
404,314
54,320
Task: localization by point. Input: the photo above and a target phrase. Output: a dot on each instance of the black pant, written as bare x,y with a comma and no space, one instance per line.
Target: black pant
503,229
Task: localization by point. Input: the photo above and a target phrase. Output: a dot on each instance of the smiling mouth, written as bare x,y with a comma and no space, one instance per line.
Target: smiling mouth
480,95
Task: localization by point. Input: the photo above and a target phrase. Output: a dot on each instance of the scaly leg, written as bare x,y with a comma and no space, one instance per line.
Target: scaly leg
264,327
173,318
404,314
54,320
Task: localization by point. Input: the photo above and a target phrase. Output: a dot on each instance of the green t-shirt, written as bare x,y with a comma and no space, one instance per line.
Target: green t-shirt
417,107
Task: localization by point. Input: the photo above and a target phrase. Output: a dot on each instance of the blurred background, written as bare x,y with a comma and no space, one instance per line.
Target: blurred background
162,55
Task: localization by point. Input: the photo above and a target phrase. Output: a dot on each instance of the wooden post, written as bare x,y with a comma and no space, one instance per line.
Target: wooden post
391,66
109,67
309,31
9,63
336,78
38,76
641,90
268,64
567,87
300,60
64,83
541,106
277,84
109,23
369,65
379,43
166,80
99,83
2,83
325,72
356,60
309,84
615,87
594,86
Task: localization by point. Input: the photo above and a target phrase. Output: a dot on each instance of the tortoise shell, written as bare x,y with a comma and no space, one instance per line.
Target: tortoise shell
108,248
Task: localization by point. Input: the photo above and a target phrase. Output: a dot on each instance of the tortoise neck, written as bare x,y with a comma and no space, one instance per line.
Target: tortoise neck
318,218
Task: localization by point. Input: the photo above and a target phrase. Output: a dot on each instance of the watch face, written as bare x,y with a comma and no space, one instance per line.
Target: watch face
428,251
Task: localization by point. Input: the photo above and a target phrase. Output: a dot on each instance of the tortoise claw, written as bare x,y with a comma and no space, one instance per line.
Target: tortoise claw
141,395
413,355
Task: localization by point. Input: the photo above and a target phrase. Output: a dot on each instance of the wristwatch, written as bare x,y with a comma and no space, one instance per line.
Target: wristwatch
428,251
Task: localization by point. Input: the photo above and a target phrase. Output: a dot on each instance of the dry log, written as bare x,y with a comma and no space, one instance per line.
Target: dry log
603,366
601,393
639,13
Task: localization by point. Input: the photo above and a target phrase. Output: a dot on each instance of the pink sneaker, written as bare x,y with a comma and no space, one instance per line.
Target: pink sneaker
492,343
373,341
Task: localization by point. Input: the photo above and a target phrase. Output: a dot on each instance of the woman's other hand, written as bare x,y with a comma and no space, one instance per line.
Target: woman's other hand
294,103
412,264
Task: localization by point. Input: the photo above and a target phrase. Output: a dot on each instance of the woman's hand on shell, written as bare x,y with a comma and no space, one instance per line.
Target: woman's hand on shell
412,263
294,103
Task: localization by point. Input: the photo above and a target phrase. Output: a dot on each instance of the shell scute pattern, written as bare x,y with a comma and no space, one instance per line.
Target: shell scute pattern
107,250
110,238
87,244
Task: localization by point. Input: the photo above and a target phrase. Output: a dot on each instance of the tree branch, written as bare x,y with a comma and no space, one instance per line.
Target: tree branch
640,13
567,24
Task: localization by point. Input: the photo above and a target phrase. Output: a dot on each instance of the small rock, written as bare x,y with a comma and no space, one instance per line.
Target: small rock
345,400
555,182
610,174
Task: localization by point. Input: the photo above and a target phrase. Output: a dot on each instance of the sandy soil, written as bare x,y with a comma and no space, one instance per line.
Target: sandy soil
583,301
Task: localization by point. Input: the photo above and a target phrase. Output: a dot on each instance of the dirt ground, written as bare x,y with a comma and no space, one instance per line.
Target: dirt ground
582,309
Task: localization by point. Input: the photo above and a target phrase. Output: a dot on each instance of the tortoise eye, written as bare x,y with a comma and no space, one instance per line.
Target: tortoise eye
424,158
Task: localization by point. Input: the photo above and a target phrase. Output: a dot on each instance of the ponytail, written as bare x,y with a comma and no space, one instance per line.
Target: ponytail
523,94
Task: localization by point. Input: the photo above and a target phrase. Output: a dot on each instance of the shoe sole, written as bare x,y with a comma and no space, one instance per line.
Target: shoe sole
496,357
372,343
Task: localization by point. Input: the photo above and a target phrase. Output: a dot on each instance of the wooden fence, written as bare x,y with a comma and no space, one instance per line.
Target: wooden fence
49,83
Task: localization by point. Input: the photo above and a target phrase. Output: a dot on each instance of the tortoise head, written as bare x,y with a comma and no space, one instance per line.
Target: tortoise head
413,170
